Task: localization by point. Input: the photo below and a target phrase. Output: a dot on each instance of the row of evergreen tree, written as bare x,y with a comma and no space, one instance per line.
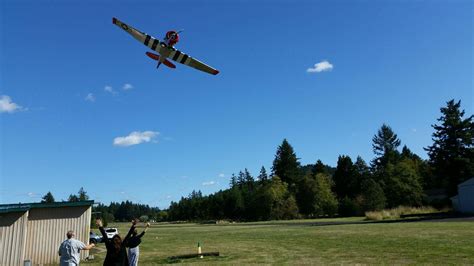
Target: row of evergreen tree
391,179
126,211
81,196
115,212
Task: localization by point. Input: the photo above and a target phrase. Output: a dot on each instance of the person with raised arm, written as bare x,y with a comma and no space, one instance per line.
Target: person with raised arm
116,247
69,250
133,245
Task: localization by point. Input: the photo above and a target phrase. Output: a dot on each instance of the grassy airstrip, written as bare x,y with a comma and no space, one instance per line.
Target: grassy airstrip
308,242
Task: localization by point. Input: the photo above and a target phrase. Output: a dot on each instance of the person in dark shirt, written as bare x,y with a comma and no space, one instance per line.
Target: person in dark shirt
133,246
116,247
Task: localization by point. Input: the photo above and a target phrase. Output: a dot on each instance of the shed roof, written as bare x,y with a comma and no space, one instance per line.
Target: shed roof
8,210
19,207
468,182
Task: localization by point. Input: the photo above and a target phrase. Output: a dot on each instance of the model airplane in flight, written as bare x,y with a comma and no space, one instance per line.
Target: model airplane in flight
165,49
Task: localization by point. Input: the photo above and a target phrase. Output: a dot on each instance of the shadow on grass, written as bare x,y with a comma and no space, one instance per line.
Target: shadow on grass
409,218
433,217
170,260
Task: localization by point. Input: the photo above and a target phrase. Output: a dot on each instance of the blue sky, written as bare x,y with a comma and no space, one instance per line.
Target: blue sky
63,68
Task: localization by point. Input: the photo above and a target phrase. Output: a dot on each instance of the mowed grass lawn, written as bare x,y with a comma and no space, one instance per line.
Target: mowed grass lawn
302,242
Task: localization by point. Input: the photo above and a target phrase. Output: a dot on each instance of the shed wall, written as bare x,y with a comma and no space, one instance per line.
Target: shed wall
47,228
466,198
13,231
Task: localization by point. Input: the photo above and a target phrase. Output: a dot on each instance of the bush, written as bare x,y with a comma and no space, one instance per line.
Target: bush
398,212
374,216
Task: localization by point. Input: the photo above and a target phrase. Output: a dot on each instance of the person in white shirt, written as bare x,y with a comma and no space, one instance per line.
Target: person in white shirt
69,250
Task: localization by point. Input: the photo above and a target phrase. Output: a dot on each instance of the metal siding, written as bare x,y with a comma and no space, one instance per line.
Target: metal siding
87,225
466,198
12,238
47,229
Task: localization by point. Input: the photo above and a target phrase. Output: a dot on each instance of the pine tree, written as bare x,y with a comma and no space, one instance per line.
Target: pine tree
82,195
285,164
385,144
345,183
362,173
320,168
234,204
248,179
241,179
233,181
48,198
452,152
306,195
407,153
362,169
398,175
73,198
262,177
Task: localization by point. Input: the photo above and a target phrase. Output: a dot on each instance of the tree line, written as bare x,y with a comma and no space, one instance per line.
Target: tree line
115,212
125,211
80,196
392,178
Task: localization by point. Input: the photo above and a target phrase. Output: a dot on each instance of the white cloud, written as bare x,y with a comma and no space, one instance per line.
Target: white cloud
32,195
136,137
90,97
221,175
109,89
209,183
7,106
127,86
320,67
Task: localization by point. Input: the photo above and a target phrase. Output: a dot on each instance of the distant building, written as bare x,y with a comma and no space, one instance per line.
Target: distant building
34,231
464,201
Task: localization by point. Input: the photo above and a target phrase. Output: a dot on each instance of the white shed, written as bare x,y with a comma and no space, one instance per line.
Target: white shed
464,201
34,231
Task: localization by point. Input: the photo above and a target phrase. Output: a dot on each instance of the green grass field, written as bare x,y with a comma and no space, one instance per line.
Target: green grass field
302,242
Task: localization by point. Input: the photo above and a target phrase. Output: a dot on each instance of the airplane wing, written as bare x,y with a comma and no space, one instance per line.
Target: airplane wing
142,37
185,59
163,49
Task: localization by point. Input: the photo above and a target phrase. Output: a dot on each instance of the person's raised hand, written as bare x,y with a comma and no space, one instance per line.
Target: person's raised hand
98,222
147,224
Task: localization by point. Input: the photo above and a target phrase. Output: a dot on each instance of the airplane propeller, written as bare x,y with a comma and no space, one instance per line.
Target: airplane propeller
176,32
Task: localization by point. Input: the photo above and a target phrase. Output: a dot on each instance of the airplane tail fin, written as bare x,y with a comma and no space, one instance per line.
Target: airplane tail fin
157,58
